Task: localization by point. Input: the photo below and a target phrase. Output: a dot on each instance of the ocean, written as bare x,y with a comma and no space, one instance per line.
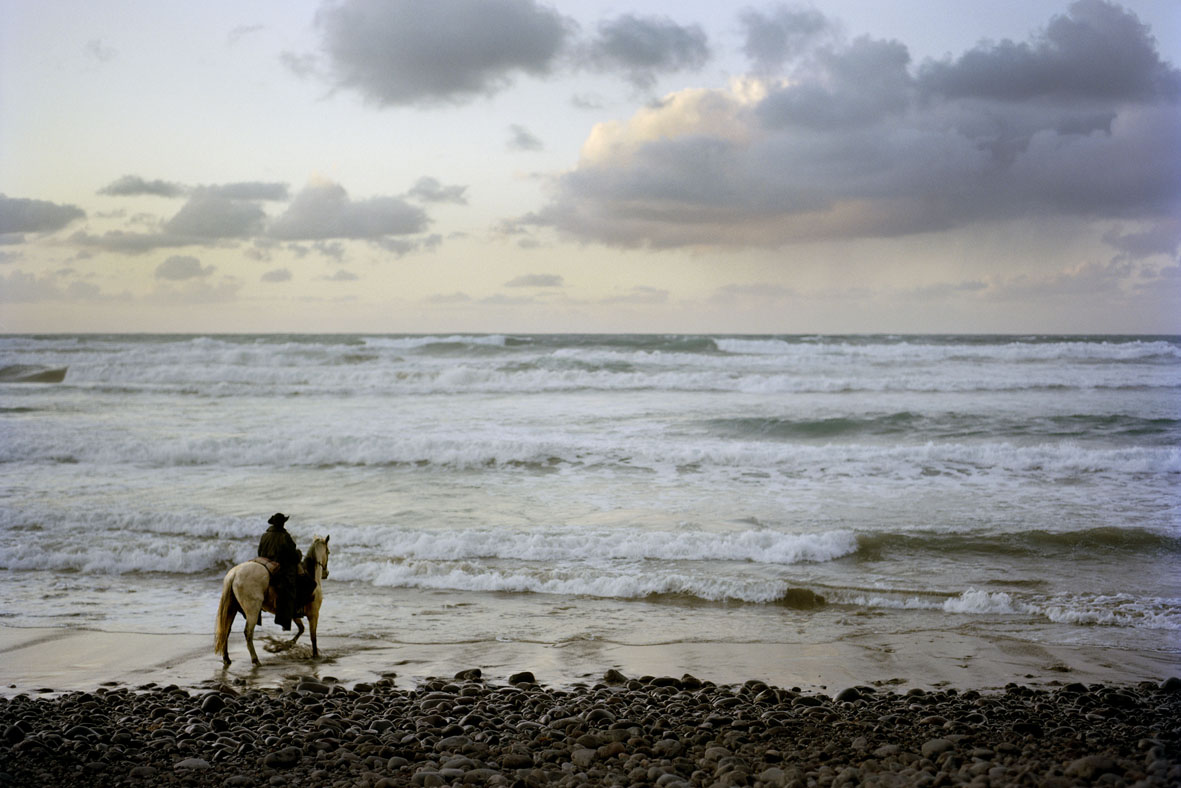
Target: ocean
628,489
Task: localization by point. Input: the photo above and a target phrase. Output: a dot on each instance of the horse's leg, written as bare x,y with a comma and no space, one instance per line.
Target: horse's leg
250,639
313,619
298,630
251,609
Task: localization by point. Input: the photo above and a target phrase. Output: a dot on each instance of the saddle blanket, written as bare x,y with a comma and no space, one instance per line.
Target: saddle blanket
268,564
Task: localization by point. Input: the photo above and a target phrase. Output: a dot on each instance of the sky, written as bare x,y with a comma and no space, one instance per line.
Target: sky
512,166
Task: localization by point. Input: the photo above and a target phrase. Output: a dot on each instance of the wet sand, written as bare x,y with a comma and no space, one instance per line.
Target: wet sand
73,659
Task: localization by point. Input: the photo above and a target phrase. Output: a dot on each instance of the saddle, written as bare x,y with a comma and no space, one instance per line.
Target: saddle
268,564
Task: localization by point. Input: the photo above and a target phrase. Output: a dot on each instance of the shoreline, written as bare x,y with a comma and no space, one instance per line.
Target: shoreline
67,659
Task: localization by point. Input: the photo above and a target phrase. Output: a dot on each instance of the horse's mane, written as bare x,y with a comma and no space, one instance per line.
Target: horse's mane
309,560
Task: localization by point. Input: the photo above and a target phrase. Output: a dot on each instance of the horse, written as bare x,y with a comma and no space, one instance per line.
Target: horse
247,590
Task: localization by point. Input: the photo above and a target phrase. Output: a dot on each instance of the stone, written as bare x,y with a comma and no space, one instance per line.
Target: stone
524,677
194,764
1090,767
213,703
613,676
283,759
935,747
850,694
516,760
582,757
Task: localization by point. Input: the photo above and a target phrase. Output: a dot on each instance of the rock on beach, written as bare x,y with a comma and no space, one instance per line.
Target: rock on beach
648,731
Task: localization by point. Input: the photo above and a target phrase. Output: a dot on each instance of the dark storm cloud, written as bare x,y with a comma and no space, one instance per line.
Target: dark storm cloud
856,144
643,48
398,52
20,215
134,185
780,35
324,210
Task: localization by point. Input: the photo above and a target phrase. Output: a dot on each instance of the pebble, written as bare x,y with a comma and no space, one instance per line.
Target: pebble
653,731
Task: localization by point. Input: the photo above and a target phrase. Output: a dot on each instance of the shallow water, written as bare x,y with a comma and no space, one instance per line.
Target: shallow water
629,489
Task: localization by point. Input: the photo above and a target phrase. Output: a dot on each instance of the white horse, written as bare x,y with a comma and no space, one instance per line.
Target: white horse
247,590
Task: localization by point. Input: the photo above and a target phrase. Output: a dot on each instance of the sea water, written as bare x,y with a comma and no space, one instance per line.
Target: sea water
630,489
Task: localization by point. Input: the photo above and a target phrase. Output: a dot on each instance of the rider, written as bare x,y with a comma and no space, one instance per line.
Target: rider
277,545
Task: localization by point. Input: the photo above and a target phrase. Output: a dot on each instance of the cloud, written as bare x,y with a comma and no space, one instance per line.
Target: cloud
302,65
134,185
20,215
1158,238
1097,51
99,52
643,48
448,298
781,35
251,190
21,287
429,189
242,31
195,292
402,52
520,138
856,145
180,267
1087,279
210,214
276,275
536,280
764,292
640,294
400,247
323,210
341,276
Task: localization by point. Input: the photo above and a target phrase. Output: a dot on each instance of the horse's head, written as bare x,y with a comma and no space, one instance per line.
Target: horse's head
319,551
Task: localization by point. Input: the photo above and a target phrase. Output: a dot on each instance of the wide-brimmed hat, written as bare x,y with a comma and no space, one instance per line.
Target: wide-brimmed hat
278,519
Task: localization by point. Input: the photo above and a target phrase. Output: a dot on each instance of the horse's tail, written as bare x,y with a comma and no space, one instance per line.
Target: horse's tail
227,608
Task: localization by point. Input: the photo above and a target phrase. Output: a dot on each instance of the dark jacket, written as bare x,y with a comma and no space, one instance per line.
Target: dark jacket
277,545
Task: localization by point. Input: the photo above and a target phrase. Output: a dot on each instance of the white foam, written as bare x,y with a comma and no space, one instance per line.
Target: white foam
471,577
766,547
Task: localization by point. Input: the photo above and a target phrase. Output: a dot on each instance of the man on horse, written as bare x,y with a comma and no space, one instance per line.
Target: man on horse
277,545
